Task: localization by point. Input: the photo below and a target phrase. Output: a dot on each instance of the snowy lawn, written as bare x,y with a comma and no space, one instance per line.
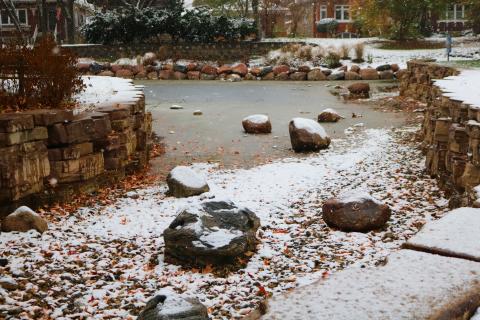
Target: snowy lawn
105,262
465,48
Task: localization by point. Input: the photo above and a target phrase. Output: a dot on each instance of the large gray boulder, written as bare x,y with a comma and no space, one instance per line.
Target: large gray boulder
184,182
212,232
307,135
356,211
24,219
173,307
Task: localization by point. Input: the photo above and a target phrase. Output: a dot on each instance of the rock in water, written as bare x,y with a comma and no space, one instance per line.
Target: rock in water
257,123
329,115
359,89
24,219
212,232
358,212
173,307
307,135
184,182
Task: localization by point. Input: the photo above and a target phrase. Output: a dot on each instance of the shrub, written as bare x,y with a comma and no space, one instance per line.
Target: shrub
304,53
359,49
141,25
332,60
328,26
345,51
42,76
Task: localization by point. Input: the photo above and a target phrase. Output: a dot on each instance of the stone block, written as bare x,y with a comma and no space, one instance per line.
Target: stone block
14,122
121,125
81,169
118,112
71,152
48,117
18,137
78,131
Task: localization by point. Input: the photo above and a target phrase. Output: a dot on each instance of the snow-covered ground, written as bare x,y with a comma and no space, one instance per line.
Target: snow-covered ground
107,261
464,48
106,91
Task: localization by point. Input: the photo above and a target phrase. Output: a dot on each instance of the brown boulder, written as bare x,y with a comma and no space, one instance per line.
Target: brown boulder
250,76
152,75
193,75
279,69
211,70
395,67
316,75
357,212
241,69
386,75
149,58
298,76
305,69
165,74
349,75
257,123
192,67
141,75
329,115
355,68
24,219
369,74
269,76
256,71
359,89
115,68
401,73
224,69
124,73
283,76
307,135
106,73
177,75
83,67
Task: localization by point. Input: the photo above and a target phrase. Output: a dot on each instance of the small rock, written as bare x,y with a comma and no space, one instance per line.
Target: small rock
358,212
329,115
8,283
171,307
197,112
184,182
176,107
257,123
307,135
3,262
24,219
359,89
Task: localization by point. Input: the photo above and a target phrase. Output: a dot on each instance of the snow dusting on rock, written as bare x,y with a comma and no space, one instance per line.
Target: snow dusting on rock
310,126
257,118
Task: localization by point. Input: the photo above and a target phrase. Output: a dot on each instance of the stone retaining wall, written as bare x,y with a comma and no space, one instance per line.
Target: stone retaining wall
226,52
48,155
450,131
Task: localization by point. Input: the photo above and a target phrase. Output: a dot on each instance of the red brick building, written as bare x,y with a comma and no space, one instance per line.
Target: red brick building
28,16
340,10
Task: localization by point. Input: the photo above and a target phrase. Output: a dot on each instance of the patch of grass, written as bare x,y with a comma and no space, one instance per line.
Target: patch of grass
411,45
467,63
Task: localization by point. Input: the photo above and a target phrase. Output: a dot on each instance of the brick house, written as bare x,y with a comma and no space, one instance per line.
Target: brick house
454,18
28,16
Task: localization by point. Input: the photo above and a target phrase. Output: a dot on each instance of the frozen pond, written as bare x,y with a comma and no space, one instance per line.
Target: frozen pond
218,136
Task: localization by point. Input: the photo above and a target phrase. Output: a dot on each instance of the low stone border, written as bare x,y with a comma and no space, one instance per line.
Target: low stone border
48,155
237,72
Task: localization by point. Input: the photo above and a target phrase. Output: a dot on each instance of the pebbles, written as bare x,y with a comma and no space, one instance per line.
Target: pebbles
112,275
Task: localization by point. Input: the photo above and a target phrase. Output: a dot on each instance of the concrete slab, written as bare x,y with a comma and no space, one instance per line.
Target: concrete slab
412,285
455,235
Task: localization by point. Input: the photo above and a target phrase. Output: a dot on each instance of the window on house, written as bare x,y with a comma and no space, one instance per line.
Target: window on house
22,16
342,13
323,12
455,12
5,19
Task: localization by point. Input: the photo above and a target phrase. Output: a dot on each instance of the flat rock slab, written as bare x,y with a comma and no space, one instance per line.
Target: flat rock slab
412,285
455,235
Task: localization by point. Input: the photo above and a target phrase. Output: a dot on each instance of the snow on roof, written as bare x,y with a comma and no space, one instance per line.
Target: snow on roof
463,87
106,91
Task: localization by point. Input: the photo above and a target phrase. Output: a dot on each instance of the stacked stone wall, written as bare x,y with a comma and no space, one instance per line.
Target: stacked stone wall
49,155
450,132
